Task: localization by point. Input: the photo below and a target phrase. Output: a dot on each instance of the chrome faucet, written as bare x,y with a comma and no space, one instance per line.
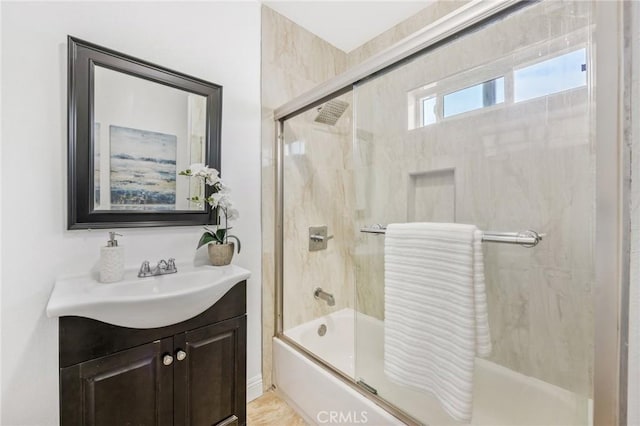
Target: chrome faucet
162,268
319,293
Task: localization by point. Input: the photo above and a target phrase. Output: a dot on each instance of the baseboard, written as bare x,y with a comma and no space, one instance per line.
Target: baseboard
254,387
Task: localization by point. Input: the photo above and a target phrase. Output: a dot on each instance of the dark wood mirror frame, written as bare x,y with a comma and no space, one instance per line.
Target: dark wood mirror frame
82,58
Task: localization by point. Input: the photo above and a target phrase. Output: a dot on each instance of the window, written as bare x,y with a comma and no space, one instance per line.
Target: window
435,102
429,111
554,75
475,97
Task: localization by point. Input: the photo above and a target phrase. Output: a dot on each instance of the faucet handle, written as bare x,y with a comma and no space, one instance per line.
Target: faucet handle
145,269
171,264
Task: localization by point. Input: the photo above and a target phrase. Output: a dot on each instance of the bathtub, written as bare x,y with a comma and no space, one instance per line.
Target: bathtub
501,396
337,346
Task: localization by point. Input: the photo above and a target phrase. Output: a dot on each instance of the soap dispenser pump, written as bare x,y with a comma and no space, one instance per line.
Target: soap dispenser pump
111,260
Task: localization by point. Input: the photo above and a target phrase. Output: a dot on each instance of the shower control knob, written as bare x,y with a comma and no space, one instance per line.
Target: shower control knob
181,355
316,237
167,359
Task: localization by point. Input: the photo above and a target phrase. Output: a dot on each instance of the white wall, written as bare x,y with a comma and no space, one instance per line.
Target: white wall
218,42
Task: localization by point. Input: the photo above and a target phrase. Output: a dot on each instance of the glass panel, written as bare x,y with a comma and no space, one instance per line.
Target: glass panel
524,165
318,282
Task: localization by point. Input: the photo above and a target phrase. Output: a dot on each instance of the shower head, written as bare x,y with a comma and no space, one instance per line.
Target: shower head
330,112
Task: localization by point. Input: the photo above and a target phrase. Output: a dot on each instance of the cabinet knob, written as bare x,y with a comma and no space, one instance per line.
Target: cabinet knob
167,359
181,355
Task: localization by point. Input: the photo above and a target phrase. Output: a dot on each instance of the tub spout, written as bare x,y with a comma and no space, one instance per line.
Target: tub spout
319,293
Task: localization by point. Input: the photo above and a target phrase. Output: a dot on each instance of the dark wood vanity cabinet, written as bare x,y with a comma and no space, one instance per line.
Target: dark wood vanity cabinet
191,373
205,382
131,387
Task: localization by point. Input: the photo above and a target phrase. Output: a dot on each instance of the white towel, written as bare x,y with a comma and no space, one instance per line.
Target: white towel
435,310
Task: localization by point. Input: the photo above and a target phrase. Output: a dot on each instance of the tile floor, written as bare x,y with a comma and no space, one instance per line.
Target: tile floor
271,410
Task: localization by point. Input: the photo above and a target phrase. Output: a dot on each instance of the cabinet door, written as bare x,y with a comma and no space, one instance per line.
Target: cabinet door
210,374
131,387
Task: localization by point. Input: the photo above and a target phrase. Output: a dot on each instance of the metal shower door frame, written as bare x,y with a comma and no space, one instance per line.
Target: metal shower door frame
611,297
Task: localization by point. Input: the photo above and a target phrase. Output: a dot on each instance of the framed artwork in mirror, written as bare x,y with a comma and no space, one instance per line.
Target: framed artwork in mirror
132,127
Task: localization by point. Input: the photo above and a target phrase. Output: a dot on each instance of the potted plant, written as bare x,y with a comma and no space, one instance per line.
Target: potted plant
217,239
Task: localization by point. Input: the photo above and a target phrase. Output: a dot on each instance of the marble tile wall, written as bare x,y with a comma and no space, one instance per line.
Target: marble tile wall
527,165
293,61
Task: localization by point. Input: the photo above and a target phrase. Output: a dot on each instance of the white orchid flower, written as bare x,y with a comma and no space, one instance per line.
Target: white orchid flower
213,177
196,168
220,198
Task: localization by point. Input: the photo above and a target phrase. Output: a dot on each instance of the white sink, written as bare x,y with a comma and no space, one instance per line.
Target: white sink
145,302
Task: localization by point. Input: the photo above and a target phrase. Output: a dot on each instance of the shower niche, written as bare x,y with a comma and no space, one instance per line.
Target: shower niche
431,196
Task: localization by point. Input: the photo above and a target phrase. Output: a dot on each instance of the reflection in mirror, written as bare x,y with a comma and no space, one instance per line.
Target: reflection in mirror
144,133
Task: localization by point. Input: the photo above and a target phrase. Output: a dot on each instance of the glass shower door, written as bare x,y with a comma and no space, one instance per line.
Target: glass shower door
491,129
318,279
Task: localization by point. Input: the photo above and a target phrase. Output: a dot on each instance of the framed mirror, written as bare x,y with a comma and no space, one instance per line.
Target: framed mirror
132,127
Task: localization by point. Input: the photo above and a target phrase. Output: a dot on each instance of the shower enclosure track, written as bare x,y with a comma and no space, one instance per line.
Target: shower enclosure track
526,239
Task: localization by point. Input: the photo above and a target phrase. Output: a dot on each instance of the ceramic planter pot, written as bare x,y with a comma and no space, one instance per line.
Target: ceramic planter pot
221,254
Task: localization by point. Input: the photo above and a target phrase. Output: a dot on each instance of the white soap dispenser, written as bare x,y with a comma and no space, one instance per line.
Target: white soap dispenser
111,260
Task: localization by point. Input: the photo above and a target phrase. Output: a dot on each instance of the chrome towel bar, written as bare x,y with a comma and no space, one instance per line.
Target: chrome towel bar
524,238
